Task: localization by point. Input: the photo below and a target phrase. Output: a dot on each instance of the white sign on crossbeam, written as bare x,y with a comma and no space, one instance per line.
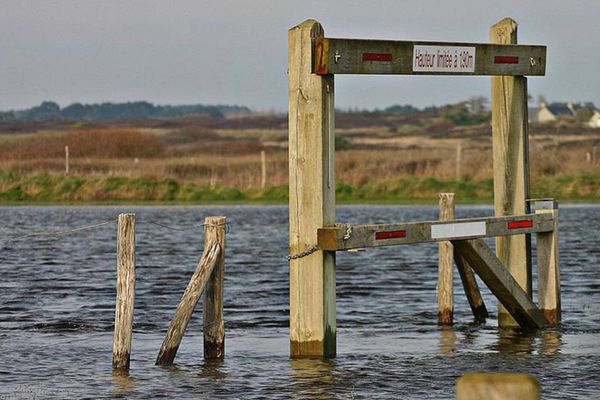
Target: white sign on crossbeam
443,59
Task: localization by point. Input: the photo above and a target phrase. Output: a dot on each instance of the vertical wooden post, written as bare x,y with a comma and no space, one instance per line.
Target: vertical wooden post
497,386
66,160
548,265
312,197
445,289
214,324
263,169
125,291
511,163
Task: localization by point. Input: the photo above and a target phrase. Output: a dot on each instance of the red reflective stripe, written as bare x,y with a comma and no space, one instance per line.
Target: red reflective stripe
506,60
389,235
377,57
520,224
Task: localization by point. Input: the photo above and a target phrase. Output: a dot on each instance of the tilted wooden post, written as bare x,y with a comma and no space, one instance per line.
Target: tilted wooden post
188,302
471,288
214,324
511,163
312,197
125,291
548,266
445,287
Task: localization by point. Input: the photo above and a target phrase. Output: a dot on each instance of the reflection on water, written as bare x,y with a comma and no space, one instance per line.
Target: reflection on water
448,339
516,341
313,378
123,384
212,369
550,342
57,312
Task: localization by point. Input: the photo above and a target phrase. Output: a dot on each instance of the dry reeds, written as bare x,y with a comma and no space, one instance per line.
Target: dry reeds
95,143
209,156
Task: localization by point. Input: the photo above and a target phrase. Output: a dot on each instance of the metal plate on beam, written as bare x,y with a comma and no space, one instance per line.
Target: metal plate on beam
458,230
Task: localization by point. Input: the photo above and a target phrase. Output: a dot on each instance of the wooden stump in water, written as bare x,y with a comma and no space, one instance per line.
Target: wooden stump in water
125,291
445,288
214,324
497,386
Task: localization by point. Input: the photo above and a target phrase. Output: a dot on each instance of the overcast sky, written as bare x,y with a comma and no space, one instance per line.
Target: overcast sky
235,52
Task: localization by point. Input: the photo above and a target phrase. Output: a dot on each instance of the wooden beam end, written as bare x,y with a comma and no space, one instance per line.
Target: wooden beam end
327,238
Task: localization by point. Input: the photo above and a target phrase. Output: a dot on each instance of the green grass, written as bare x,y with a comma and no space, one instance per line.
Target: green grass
57,188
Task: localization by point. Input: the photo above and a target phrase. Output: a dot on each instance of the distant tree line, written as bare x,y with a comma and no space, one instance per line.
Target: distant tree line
50,111
468,112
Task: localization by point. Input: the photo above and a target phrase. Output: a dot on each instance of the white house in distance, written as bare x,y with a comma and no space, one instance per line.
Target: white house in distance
594,122
552,112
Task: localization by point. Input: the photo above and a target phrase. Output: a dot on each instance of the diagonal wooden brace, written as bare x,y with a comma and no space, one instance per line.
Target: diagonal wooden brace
497,278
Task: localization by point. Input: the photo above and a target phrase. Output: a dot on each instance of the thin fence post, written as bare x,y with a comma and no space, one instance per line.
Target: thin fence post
213,178
263,169
214,324
445,289
459,151
511,164
548,265
66,160
312,197
187,304
125,291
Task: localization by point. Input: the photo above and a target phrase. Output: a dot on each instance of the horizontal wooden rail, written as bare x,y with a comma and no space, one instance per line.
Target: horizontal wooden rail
357,56
360,236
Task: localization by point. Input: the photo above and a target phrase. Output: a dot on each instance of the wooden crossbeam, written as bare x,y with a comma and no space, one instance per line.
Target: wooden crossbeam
499,280
361,236
357,56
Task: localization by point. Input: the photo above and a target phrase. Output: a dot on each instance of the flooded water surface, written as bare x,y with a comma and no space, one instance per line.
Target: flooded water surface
57,299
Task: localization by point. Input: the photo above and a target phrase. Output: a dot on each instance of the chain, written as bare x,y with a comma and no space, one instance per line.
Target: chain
348,231
312,249
305,253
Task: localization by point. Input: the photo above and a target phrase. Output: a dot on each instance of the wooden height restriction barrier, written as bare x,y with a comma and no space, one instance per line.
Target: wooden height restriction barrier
313,61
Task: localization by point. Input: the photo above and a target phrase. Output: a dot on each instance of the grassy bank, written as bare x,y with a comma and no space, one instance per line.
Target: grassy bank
58,188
